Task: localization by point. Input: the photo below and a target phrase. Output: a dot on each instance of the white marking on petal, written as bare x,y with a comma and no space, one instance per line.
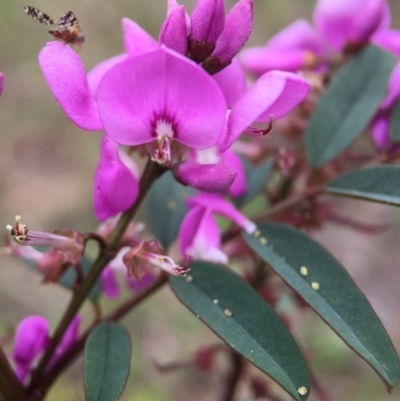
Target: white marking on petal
164,128
208,156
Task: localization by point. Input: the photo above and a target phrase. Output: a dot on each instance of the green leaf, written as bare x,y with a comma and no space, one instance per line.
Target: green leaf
395,123
68,279
256,177
301,261
378,184
236,313
107,362
166,208
348,105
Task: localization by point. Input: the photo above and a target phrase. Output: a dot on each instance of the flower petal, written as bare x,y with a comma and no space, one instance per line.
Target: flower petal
232,81
212,178
220,206
199,235
239,185
96,74
259,60
109,283
116,187
298,35
273,95
237,30
380,130
174,32
161,87
69,338
1,83
136,40
335,19
394,88
31,338
389,40
65,74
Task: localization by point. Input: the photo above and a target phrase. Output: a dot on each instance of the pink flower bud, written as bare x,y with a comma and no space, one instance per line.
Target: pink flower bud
238,27
365,24
174,32
207,23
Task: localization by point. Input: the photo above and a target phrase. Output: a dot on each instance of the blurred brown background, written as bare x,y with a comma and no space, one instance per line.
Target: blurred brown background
46,170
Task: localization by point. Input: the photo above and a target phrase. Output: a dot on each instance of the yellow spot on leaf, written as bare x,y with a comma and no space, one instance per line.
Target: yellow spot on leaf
257,233
302,390
215,301
315,286
189,279
263,241
303,271
228,312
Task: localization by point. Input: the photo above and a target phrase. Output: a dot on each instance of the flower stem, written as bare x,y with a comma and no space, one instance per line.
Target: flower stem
10,387
232,380
150,174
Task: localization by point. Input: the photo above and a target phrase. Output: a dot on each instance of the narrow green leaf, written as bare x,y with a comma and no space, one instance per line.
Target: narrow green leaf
378,184
395,123
166,208
235,312
256,177
107,362
68,279
326,286
348,105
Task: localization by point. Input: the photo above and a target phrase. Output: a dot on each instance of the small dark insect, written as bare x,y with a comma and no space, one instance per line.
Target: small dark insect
66,29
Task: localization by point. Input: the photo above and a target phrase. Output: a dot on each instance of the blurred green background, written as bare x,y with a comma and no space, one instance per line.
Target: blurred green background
46,171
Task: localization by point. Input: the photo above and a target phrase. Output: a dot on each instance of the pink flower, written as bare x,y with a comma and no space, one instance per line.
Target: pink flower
116,185
199,235
296,47
159,98
32,338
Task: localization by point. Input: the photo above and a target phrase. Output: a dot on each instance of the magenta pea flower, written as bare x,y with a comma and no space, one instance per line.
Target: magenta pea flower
298,46
199,234
32,337
164,101
116,185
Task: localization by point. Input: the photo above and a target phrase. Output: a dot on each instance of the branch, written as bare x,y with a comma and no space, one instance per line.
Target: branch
10,386
149,175
69,356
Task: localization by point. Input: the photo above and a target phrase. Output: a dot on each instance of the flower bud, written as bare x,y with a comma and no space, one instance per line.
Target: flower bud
238,27
174,32
365,24
207,24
